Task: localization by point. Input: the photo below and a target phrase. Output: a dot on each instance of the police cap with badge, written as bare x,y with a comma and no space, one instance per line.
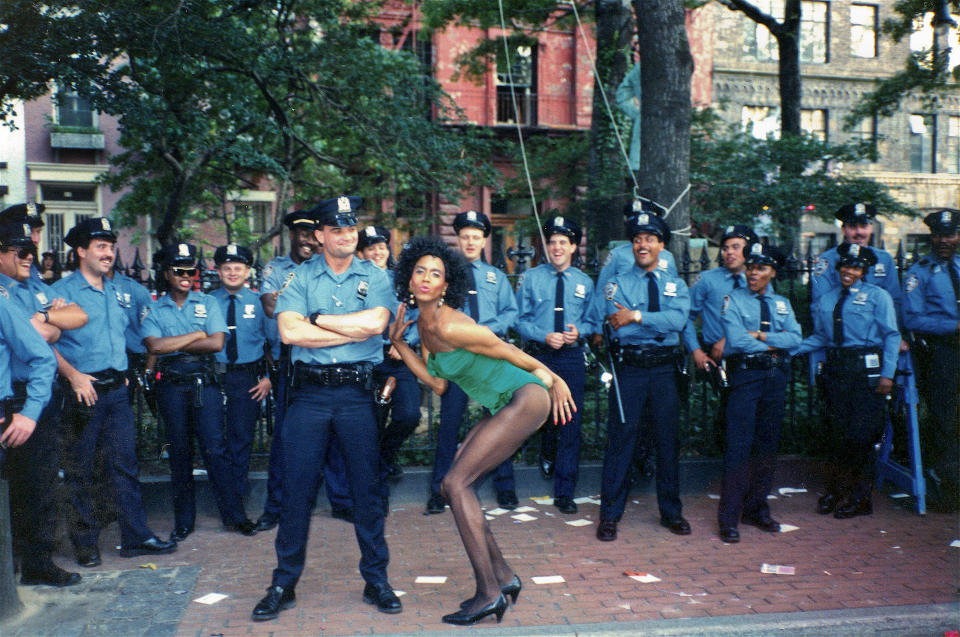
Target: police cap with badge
859,214
177,255
642,204
649,224
564,226
740,231
28,212
15,234
338,212
232,253
92,228
945,221
371,235
854,255
299,219
765,254
472,219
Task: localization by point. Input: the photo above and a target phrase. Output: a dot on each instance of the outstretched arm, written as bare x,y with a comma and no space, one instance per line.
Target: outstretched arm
414,363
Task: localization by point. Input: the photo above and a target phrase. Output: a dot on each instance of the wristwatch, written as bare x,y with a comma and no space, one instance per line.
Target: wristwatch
636,316
45,314
313,318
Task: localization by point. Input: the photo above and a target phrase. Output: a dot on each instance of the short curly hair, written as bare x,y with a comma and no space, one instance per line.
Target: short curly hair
454,265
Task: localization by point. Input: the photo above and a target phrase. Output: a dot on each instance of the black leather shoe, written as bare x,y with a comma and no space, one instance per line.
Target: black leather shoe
180,533
826,504
678,526
48,575
278,598
344,513
546,467
729,534
244,527
566,504
462,618
382,596
852,508
764,523
153,546
507,500
266,522
436,503
88,557
607,530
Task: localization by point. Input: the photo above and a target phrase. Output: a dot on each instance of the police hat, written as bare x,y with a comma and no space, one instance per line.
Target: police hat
642,204
91,228
565,226
338,212
15,234
29,212
944,221
855,255
648,223
177,254
299,219
761,254
856,213
232,253
741,231
472,219
371,235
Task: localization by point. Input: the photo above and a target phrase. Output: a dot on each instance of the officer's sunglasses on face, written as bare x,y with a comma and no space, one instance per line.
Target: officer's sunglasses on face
22,251
184,272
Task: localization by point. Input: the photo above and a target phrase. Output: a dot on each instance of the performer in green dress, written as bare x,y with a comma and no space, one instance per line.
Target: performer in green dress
515,387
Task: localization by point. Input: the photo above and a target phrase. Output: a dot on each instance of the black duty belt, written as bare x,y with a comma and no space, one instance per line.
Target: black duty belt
536,348
332,375
176,377
108,380
645,356
759,360
854,356
226,368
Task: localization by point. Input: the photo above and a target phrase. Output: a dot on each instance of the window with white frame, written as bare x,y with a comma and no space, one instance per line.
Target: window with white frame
760,44
863,30
814,122
73,110
922,142
762,122
952,150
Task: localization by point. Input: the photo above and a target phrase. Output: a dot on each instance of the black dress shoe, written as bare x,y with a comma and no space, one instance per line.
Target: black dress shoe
678,526
462,618
48,575
153,546
342,513
180,533
507,500
383,597
850,508
764,523
546,467
566,504
266,522
244,527
88,556
826,504
510,591
278,598
607,530
729,534
436,503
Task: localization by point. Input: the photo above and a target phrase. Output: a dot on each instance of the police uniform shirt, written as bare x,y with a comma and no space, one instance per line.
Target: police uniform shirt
882,274
536,301
276,272
251,324
706,299
101,343
314,287
411,335
929,302
629,289
136,302
22,347
869,320
496,304
741,314
21,295
199,312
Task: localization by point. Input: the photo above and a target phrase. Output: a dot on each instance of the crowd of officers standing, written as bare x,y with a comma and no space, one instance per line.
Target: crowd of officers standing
312,340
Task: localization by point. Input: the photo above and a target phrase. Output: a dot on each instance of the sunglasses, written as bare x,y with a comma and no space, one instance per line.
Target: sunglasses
22,251
184,271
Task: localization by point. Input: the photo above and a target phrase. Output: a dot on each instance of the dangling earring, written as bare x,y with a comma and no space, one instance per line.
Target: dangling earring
412,302
442,299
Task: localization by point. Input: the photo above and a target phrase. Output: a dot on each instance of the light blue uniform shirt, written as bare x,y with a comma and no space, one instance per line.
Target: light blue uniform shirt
621,260
869,320
199,312
136,302
275,274
496,304
741,314
706,300
883,274
25,300
100,344
536,296
315,288
22,347
629,289
929,303
251,324
411,335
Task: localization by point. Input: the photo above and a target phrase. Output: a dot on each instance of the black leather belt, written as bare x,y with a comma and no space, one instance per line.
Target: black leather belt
108,380
536,348
851,355
332,375
225,368
645,356
759,360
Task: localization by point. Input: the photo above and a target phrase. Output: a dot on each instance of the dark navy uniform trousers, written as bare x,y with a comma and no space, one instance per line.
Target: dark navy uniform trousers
275,467
568,364
404,407
241,421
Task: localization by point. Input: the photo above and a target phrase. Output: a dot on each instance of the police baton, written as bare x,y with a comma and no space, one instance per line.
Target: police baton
383,398
608,338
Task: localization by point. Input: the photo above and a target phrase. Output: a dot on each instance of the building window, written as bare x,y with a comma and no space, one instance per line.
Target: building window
921,39
421,46
511,207
259,214
863,30
822,241
922,143
73,110
760,44
66,205
952,159
763,122
814,122
519,80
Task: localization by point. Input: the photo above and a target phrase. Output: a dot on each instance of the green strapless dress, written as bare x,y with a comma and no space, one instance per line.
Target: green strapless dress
489,381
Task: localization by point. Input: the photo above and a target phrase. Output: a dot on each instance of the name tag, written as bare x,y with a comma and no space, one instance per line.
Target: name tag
200,310
860,298
580,291
670,289
871,361
782,307
43,299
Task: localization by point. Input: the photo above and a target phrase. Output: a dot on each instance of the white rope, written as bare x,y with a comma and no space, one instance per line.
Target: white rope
676,201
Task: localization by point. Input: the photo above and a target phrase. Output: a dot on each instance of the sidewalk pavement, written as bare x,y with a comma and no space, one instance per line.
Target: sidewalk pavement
892,573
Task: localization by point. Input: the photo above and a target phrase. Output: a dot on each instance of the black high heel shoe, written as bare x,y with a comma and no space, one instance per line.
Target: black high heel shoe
511,590
497,607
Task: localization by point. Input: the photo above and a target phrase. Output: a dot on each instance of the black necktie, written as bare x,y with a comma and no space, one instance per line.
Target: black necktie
955,281
653,293
558,305
736,281
232,330
764,314
838,317
474,306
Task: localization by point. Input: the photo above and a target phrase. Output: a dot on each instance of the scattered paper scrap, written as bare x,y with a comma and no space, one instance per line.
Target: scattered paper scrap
786,528
770,496
713,496
777,569
882,532
430,579
210,598
789,490
542,499
524,509
899,495
895,547
399,593
523,517
489,517
624,606
548,579
498,511
586,500
646,578
580,522
955,544
149,565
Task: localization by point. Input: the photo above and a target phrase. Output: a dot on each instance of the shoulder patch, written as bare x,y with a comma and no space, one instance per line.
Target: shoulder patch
144,313
911,283
726,304
821,266
287,282
609,290
4,293
697,278
267,270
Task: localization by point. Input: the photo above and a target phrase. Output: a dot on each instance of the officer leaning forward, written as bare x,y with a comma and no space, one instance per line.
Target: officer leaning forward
760,330
554,300
333,311
931,308
646,308
243,361
185,329
857,325
96,403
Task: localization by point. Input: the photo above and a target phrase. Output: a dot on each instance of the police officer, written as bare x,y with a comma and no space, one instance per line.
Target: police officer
185,329
31,213
97,408
490,302
857,324
931,308
333,311
243,361
554,301
760,330
646,307
303,246
136,302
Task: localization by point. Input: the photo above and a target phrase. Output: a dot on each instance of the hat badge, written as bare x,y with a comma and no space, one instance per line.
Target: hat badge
637,205
471,215
643,219
854,250
26,229
232,249
945,217
730,229
370,231
859,209
31,209
559,222
756,248
343,204
105,224
183,250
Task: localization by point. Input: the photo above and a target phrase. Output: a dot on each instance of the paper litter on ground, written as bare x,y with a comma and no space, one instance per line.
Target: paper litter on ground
498,511
548,579
789,490
580,522
523,517
210,598
524,509
430,579
646,578
542,499
586,500
489,517
955,544
777,569
399,593
786,528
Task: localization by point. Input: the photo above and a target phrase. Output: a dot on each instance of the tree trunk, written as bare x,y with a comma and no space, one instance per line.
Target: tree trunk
789,69
665,111
9,600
